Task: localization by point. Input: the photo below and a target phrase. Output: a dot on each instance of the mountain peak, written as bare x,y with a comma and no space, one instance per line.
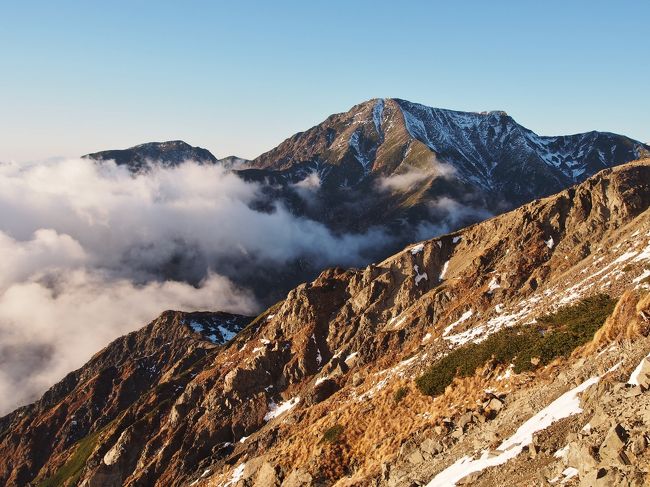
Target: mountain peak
391,136
169,153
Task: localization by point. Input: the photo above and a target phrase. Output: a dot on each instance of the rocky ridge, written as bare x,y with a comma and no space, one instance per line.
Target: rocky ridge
307,393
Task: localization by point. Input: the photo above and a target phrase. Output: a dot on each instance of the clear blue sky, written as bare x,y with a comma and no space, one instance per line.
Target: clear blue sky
239,77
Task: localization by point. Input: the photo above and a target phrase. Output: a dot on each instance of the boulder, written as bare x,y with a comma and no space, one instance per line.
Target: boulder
581,457
431,446
464,420
494,404
416,457
457,433
298,478
611,450
267,476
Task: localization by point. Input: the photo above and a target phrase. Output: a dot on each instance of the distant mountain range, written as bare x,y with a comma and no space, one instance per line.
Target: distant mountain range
409,170
166,154
389,159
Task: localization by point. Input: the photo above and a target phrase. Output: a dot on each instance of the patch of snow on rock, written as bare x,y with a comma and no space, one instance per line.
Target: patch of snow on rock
276,410
443,271
464,317
493,285
236,476
634,377
568,404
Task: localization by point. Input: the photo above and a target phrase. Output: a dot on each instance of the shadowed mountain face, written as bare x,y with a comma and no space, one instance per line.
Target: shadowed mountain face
319,390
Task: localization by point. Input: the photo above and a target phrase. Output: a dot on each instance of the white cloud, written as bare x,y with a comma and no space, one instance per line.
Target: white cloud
407,180
90,252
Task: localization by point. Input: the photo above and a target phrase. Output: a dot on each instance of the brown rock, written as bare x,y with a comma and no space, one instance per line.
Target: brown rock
298,478
581,457
416,457
611,450
267,476
431,446
495,404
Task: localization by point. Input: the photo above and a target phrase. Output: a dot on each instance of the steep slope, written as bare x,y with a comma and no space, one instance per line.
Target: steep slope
113,382
319,389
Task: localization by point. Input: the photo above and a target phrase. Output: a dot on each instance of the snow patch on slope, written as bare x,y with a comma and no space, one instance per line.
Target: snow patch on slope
568,404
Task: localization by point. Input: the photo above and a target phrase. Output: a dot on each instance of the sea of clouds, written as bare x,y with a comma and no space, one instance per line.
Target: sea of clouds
91,251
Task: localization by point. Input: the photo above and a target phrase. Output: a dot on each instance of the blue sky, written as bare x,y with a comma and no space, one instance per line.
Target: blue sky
239,77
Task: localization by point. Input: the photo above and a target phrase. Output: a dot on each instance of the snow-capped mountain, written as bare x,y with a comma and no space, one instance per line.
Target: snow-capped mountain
398,172
488,151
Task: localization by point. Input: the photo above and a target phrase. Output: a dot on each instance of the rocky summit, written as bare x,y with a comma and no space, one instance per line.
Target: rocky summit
510,352
387,160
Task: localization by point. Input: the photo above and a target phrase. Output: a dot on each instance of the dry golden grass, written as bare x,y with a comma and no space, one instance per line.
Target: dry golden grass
375,428
628,321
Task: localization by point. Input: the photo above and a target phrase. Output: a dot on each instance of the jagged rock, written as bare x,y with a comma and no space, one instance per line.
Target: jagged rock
611,450
638,444
581,457
298,478
431,446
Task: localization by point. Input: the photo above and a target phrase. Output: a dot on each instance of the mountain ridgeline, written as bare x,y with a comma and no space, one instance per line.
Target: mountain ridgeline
325,388
394,169
394,163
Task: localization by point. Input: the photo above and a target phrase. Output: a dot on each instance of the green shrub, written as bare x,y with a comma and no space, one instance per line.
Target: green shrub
70,472
554,335
332,434
401,393
566,329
